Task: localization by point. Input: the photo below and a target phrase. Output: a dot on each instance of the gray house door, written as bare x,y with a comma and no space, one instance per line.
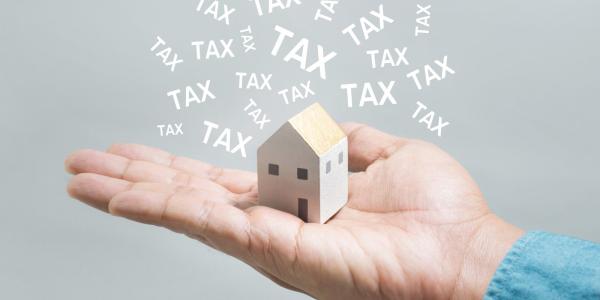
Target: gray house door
303,209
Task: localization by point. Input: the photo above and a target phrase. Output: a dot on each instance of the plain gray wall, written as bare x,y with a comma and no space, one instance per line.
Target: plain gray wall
79,74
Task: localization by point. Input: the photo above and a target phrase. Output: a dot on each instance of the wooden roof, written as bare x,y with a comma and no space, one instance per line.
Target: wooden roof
317,128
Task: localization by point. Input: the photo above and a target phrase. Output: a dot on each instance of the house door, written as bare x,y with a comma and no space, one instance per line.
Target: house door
303,209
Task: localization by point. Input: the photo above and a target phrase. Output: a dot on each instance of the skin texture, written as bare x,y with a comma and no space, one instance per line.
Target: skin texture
415,226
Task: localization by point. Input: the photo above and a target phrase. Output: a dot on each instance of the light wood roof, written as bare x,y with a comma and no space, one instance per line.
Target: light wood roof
317,128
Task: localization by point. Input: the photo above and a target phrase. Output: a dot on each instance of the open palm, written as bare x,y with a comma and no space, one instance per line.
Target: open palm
415,225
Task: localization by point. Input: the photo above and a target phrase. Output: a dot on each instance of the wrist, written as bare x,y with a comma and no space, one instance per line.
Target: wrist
485,251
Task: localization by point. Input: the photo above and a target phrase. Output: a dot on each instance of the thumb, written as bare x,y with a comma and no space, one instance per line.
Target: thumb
366,145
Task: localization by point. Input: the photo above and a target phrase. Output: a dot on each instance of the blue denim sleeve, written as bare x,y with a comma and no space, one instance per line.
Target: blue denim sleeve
542,265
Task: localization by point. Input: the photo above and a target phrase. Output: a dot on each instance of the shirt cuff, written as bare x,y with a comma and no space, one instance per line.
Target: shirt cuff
542,265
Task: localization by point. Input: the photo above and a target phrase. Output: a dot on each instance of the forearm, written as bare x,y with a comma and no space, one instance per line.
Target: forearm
502,262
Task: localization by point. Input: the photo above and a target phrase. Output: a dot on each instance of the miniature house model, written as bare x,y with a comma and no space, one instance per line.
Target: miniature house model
303,167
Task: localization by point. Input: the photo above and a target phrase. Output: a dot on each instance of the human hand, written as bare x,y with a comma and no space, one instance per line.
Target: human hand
415,225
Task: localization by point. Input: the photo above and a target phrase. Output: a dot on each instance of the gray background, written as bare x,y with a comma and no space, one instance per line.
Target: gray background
79,74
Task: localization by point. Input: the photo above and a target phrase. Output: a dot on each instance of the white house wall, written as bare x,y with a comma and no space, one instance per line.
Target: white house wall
287,149
334,186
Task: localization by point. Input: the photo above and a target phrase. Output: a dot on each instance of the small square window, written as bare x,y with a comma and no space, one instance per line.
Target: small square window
328,167
341,158
302,174
274,169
